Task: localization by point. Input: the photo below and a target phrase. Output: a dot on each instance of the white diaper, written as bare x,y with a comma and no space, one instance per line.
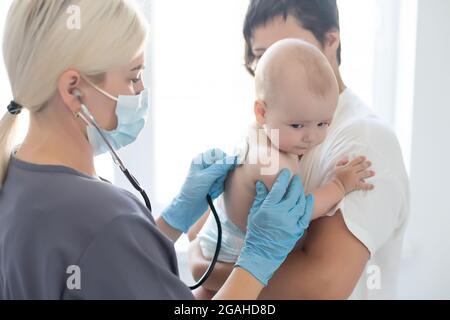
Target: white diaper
232,236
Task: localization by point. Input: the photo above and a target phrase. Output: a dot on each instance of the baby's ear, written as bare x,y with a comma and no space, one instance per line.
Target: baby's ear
260,112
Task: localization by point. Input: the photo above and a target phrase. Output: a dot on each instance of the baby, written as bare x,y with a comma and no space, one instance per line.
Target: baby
296,97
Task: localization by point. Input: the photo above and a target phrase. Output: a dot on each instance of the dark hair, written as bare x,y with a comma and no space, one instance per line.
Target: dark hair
317,16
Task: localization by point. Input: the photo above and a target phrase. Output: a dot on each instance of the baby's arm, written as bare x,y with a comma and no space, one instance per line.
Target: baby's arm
348,177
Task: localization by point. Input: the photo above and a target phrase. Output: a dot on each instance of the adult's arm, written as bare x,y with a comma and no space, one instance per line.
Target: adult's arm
240,285
172,233
327,267
195,229
199,264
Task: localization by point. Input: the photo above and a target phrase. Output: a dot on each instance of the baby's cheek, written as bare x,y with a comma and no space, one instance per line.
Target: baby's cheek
287,143
322,137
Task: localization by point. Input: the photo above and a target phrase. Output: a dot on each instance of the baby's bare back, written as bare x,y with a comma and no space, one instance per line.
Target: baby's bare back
240,187
239,195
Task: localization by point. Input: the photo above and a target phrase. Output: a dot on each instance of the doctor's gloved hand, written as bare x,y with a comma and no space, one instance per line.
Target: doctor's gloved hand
276,222
207,175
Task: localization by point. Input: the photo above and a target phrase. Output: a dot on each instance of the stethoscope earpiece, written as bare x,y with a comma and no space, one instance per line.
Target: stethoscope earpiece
77,94
84,113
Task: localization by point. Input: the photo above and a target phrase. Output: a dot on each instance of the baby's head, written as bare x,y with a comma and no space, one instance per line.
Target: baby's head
296,94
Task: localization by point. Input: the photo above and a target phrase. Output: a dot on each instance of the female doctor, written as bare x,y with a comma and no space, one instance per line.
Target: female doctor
64,232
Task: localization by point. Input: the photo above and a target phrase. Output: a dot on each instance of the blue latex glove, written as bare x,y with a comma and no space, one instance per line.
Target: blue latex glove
276,222
206,176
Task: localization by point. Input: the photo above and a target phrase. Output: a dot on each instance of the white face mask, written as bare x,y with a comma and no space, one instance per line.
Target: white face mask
131,114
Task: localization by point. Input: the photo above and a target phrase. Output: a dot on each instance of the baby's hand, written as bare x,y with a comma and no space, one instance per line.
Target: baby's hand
351,175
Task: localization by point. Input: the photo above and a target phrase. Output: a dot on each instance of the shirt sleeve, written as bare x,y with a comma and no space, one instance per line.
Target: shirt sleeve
372,216
129,259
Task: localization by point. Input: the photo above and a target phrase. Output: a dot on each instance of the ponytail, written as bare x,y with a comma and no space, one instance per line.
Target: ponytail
7,129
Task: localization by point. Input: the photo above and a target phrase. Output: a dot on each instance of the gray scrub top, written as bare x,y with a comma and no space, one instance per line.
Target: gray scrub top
66,235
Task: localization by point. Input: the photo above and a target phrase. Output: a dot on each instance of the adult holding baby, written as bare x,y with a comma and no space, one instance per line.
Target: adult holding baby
355,251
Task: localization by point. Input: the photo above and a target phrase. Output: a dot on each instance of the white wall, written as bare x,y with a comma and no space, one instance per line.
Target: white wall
201,93
426,273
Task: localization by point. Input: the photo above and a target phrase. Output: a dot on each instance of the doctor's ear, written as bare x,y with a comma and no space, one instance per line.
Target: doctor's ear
260,112
68,84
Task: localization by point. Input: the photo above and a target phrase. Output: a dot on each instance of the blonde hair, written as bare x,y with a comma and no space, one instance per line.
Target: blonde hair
39,45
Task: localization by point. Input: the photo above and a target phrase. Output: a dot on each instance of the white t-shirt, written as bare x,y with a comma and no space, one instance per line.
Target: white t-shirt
377,218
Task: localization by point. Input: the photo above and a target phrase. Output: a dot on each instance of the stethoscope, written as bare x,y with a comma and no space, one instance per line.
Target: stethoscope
88,119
